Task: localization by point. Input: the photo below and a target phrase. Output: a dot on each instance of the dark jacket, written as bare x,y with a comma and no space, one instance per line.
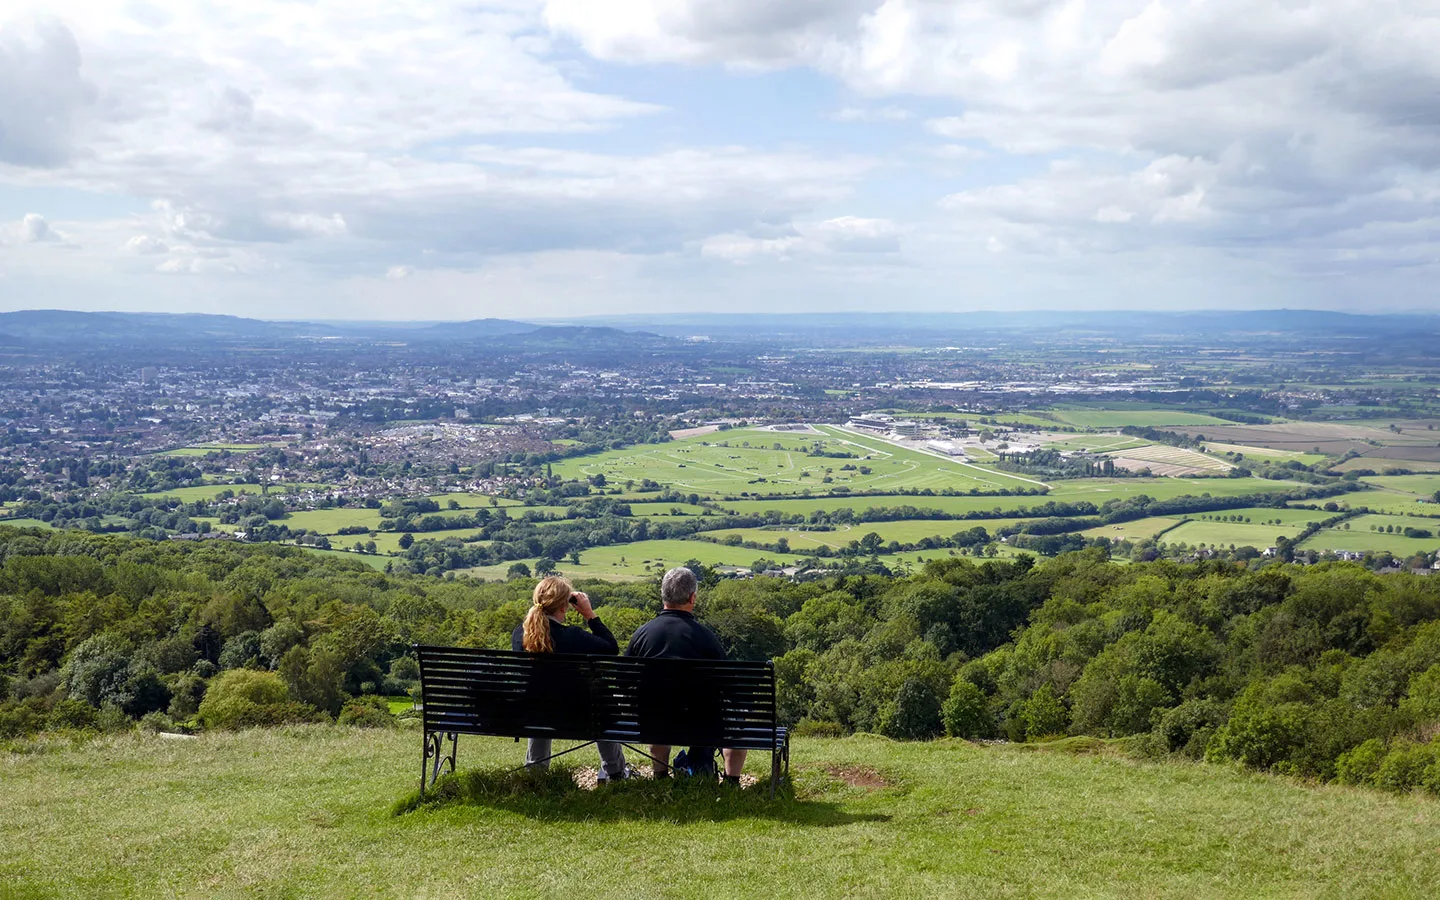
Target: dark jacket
675,634
570,639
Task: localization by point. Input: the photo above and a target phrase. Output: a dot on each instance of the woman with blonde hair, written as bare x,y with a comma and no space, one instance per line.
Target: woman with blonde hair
544,631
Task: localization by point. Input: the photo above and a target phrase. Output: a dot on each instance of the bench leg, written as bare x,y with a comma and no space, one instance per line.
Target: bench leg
435,749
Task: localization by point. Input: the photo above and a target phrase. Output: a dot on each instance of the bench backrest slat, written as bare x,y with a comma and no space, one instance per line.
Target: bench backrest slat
657,701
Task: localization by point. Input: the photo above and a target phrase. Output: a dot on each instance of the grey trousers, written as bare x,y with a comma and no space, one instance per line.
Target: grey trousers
612,755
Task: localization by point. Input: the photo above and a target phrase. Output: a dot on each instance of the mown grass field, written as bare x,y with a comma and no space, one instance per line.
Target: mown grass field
211,491
1134,530
1226,533
306,812
643,558
1119,418
906,531
1360,537
1386,502
734,462
206,449
1415,485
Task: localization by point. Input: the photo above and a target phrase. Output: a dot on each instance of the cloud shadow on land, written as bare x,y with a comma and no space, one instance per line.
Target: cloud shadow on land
555,796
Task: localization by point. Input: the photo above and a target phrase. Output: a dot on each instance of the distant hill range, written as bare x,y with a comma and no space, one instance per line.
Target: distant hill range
40,327
941,328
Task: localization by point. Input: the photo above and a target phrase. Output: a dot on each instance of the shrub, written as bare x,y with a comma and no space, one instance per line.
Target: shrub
1043,714
367,712
1422,702
1404,767
242,698
242,650
156,722
72,714
1187,728
1359,765
966,712
914,715
818,728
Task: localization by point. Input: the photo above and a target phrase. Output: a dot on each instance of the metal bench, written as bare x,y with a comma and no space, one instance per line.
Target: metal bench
630,701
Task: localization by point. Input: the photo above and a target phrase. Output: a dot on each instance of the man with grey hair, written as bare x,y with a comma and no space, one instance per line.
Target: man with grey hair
677,634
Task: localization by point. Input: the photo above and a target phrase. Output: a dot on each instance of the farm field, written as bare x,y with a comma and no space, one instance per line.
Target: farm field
905,531
1386,502
1119,418
329,521
1135,530
664,510
374,562
1328,438
1360,538
1414,485
1098,490
211,491
643,558
473,501
1163,459
1385,464
955,505
205,449
1268,453
1226,533
870,818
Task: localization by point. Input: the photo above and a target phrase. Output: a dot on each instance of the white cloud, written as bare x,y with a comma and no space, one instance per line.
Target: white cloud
395,273
843,235
41,91
34,229
1305,118
146,245
872,114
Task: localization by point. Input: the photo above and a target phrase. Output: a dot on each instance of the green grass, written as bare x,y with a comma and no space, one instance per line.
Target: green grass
26,523
1360,538
1118,418
1414,485
702,465
1265,453
906,531
329,521
1386,502
211,491
307,812
1135,530
644,557
374,562
206,449
1226,533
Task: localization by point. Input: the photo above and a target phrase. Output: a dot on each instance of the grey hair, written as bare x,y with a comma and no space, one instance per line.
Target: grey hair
677,586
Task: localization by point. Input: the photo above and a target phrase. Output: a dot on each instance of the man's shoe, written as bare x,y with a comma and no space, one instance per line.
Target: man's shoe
731,780
623,775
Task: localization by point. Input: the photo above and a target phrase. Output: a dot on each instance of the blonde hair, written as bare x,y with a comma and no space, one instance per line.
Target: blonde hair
552,596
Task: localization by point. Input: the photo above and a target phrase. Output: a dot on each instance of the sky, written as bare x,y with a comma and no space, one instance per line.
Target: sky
558,158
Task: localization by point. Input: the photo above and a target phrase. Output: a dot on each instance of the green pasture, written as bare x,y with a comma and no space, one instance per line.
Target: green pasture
644,558
374,562
1223,534
306,812
1360,537
206,449
1098,490
1385,502
1415,485
1118,418
905,531
211,491
329,521
1382,465
26,523
1265,453
473,501
1135,530
1261,515
663,510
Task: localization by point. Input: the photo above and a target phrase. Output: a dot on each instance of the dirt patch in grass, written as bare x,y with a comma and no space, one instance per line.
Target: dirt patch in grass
859,776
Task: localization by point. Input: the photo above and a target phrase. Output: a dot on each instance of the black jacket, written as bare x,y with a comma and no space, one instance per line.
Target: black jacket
675,634
569,639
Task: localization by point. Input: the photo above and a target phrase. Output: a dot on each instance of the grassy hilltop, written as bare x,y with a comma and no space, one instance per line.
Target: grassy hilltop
306,811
